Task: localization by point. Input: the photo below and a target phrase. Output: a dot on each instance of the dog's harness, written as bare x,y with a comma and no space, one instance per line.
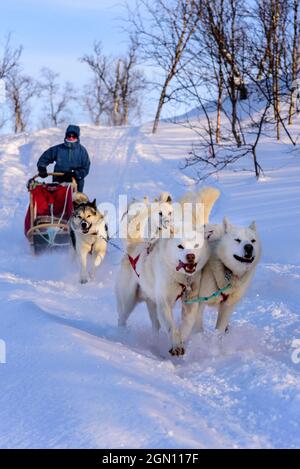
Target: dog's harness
183,290
220,292
217,293
133,262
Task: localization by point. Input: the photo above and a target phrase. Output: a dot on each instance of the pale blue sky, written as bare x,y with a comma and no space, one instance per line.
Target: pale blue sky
55,33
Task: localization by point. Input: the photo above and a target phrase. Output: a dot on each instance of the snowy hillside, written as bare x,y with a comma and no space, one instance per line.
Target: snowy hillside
72,379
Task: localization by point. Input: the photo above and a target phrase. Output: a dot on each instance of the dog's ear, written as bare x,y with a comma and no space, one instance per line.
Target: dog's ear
94,204
213,232
208,234
226,225
165,197
252,226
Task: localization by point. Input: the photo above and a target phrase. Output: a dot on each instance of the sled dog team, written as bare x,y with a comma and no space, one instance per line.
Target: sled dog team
163,270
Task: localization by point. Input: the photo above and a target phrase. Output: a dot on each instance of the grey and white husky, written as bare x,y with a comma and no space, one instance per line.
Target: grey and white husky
89,235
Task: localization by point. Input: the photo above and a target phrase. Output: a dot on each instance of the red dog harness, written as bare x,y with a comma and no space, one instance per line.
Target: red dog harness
183,290
133,262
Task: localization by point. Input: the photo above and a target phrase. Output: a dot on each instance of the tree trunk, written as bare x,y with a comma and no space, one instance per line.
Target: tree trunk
298,71
294,62
180,47
116,108
234,95
19,124
161,102
125,113
219,102
234,119
276,71
256,166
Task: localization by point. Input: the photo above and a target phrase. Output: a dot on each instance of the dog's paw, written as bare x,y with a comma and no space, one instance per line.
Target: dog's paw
84,280
177,351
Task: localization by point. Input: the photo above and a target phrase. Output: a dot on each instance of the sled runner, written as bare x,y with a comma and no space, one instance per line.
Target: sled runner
50,207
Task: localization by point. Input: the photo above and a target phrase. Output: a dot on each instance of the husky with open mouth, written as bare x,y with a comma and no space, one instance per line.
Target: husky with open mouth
235,253
159,275
89,235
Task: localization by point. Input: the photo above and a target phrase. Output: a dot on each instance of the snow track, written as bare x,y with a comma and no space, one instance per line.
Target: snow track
72,379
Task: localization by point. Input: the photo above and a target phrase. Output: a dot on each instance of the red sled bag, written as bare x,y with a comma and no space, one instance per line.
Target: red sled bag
49,200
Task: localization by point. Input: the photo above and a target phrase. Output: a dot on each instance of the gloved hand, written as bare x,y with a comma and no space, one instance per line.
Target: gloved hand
69,175
42,172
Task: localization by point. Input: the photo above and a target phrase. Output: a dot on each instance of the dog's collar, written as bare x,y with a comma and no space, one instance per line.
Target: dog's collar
229,275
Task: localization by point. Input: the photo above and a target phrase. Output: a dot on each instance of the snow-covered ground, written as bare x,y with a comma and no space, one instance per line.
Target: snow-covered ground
72,379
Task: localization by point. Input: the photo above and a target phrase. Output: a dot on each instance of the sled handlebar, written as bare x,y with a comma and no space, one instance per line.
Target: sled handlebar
60,174
48,174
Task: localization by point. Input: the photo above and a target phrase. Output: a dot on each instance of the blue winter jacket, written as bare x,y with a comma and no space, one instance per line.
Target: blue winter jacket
68,156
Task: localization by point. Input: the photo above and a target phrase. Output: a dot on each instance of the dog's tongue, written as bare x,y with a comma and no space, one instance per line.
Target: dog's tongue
181,265
189,266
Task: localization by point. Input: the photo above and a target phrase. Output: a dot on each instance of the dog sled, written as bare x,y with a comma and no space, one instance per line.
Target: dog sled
50,207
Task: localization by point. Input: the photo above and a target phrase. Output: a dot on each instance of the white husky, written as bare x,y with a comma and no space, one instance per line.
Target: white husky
147,220
160,275
235,253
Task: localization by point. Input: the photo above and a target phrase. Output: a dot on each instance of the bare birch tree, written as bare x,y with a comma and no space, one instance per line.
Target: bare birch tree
57,99
20,90
118,83
271,39
95,100
164,29
131,82
9,58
